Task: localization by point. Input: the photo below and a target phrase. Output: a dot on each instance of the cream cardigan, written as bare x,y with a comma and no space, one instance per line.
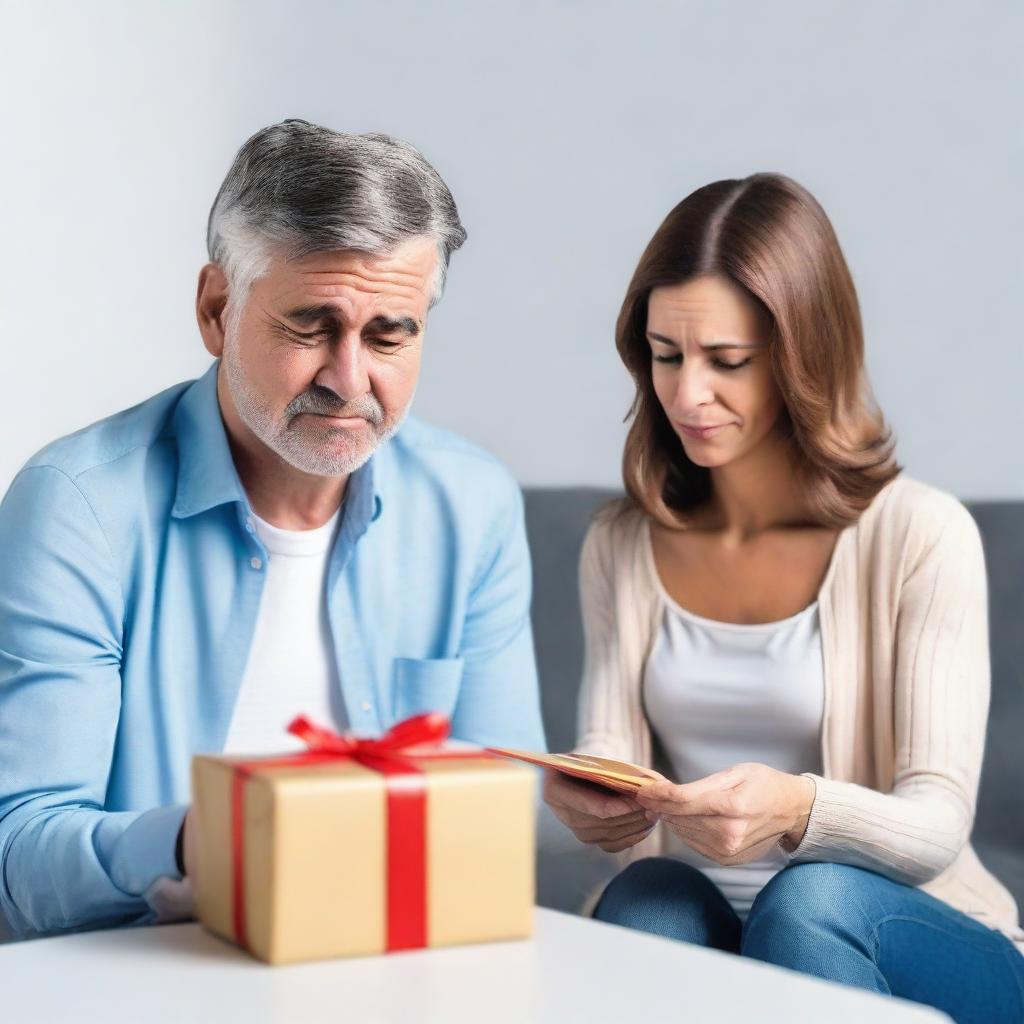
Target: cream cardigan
904,627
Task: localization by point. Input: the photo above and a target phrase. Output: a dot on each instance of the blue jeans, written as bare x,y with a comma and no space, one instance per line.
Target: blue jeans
841,923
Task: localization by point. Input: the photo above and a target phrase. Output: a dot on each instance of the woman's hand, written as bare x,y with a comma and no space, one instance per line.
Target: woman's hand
736,815
609,820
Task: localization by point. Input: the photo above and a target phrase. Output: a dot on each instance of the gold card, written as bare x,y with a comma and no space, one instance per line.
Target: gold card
619,776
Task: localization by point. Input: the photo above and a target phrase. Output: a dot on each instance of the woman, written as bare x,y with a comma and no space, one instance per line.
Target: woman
780,620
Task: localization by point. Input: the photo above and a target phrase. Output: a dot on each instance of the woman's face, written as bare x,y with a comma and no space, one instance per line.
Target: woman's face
711,367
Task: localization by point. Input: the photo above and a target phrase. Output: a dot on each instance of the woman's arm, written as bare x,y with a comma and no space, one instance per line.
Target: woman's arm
605,715
940,693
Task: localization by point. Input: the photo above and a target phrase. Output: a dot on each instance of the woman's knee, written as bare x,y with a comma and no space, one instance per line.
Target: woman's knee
820,919
670,898
645,884
810,896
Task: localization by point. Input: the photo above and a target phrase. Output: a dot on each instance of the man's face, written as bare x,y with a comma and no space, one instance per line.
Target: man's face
322,359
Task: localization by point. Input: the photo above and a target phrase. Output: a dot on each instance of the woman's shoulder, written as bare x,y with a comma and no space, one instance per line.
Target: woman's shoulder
910,513
616,574
614,540
617,527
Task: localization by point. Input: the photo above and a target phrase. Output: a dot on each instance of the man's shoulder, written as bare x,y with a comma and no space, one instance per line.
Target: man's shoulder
448,459
111,440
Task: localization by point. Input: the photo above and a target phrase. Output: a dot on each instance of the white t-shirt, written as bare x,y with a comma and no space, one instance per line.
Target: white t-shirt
291,669
722,693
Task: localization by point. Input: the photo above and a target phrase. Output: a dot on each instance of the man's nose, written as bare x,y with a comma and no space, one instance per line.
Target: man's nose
346,371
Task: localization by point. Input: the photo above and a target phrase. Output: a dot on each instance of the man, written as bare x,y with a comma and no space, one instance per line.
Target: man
275,538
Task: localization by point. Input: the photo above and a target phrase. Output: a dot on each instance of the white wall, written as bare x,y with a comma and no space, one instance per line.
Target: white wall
566,132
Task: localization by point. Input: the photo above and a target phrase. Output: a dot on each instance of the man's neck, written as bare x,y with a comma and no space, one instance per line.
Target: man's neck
279,493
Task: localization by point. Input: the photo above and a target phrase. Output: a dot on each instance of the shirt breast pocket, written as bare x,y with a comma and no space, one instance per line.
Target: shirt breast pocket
425,684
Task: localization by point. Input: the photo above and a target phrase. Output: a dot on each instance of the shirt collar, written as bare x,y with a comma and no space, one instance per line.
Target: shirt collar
361,506
206,471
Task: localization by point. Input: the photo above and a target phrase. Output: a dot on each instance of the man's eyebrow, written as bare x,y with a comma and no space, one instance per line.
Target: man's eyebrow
387,325
312,314
309,315
713,346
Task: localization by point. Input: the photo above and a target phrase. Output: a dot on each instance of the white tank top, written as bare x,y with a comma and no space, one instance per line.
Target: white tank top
720,693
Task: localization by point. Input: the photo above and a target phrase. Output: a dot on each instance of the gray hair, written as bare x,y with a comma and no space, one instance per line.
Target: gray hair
296,188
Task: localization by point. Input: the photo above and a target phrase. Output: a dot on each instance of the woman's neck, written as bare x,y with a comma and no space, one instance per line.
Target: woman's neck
762,490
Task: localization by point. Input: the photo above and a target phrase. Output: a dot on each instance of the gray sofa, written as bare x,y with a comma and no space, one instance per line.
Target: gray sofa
556,521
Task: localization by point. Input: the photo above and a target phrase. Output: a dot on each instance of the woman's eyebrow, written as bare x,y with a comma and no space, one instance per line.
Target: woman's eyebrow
715,345
661,337
711,346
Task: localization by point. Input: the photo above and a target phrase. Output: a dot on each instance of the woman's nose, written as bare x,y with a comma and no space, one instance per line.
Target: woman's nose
693,388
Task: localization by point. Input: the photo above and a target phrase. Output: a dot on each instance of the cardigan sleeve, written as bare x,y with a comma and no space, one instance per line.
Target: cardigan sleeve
941,694
603,716
611,722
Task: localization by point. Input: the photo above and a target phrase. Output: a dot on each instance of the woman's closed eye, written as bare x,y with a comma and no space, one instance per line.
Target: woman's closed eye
724,364
719,364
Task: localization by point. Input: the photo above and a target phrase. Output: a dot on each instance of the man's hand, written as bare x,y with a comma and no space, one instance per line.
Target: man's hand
734,816
598,817
190,846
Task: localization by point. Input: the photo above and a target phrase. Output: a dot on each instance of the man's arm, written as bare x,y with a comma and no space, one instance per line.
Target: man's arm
499,699
64,861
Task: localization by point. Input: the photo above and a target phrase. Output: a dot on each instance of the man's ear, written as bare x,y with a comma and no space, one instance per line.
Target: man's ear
211,301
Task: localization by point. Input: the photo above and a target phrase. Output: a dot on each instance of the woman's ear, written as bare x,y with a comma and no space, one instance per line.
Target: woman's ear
211,301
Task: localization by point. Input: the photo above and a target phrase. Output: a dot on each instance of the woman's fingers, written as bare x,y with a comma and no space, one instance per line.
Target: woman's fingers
735,834
596,831
596,817
563,792
618,845
707,842
579,819
720,842
666,798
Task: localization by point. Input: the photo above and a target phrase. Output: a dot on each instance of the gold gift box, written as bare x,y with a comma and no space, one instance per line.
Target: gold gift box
316,847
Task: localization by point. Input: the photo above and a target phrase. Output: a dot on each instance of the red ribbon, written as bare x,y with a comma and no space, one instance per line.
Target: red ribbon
391,755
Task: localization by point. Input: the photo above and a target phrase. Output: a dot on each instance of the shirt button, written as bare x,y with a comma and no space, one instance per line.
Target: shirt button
365,705
256,563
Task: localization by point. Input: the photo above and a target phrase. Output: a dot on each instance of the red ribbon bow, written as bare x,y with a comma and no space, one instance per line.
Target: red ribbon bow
429,730
392,755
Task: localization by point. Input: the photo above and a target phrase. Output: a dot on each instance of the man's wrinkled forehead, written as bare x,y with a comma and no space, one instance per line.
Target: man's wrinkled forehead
400,282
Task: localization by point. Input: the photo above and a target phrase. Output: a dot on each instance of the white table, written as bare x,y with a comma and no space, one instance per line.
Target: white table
574,971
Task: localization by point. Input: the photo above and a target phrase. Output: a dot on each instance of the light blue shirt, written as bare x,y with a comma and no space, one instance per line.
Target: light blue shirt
130,580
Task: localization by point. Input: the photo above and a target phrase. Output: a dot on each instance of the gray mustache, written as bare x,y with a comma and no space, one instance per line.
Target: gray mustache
324,402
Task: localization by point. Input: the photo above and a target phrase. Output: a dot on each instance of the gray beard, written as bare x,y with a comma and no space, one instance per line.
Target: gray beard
304,454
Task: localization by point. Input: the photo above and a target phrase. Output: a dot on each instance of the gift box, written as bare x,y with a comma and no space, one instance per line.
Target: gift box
358,846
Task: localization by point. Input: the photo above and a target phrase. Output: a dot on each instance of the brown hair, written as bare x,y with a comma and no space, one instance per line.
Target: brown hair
770,236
